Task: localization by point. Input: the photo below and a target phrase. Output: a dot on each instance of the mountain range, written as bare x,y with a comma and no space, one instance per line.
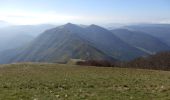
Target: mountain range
141,40
160,31
70,41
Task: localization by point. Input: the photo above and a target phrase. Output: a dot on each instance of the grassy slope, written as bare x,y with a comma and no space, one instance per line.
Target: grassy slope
52,81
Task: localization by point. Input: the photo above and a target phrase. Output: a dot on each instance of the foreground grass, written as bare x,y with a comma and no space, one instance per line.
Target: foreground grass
69,82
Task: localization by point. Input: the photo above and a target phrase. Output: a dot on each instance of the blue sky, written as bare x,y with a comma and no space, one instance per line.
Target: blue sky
85,11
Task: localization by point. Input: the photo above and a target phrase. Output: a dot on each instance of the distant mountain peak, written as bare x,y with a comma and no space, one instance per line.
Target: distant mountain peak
97,28
69,26
94,26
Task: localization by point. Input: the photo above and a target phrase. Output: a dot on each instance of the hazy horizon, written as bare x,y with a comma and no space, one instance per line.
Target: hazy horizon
23,12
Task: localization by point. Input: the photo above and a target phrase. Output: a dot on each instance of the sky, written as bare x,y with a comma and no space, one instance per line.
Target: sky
84,11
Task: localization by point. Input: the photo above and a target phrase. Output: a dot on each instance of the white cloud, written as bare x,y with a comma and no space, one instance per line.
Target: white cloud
36,18
165,21
24,18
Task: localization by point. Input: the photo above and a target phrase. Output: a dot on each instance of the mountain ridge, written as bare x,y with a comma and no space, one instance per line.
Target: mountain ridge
71,41
141,40
67,43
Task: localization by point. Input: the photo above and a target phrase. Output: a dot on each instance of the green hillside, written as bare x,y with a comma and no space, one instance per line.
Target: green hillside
70,82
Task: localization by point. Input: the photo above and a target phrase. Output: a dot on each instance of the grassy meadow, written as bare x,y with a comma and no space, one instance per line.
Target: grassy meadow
70,82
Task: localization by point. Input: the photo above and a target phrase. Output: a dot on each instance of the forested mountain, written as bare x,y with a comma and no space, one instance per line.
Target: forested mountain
161,31
141,40
69,41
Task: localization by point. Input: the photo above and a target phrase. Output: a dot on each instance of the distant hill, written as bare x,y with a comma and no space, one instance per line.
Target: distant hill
161,31
33,30
141,40
70,41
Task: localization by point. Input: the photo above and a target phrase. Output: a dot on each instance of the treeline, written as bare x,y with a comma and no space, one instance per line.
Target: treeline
160,61
98,63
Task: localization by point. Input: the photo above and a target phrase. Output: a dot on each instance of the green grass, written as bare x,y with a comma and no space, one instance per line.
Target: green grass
69,82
